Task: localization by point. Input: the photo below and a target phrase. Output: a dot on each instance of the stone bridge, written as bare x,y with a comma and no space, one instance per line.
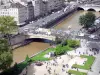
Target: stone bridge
92,7
42,33
41,36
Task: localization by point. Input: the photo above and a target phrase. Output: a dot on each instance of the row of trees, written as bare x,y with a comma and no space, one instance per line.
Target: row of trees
66,46
7,27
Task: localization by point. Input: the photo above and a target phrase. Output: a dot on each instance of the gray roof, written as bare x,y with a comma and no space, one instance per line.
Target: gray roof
11,5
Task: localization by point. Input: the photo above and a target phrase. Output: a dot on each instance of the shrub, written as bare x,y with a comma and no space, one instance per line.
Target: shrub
73,43
58,50
61,49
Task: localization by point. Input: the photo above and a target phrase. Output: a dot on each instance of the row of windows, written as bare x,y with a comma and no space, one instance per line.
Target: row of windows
8,12
9,9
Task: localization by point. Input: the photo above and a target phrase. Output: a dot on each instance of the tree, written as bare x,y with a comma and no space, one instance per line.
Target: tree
7,26
61,49
73,43
87,20
4,46
27,58
5,60
6,57
58,50
58,40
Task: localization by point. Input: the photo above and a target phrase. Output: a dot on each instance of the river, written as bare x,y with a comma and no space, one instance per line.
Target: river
73,20
19,54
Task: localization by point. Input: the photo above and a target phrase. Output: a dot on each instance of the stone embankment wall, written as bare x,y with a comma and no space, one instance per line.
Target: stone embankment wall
18,40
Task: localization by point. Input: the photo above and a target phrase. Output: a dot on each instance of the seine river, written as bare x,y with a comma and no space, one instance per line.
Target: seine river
19,54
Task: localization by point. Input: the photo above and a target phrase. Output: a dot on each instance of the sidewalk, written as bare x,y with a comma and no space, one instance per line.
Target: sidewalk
96,66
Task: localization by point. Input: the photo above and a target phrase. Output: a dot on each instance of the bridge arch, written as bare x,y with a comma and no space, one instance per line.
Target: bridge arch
91,9
39,40
80,8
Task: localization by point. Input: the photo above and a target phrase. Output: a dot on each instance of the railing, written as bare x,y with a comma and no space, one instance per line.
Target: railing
50,37
93,5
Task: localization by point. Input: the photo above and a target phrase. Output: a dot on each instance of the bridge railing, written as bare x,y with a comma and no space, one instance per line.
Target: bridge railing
93,5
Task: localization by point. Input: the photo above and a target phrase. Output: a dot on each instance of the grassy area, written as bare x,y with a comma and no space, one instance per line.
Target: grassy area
76,72
88,63
40,56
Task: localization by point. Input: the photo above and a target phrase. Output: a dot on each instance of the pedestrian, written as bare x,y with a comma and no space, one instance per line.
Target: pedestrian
64,66
46,67
54,71
79,52
90,69
77,69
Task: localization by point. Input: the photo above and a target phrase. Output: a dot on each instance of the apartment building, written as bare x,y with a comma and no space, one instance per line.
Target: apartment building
54,4
30,11
16,10
27,10
39,8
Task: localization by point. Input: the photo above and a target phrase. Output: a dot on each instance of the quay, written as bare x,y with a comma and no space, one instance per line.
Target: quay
45,22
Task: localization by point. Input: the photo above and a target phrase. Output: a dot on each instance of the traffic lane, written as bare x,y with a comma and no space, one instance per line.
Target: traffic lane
97,32
94,45
88,38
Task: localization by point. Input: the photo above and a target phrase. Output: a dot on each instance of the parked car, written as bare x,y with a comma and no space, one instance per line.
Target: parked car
92,29
95,37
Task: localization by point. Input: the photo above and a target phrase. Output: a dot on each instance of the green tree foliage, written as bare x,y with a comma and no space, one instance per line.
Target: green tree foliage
61,49
58,40
4,46
87,20
27,58
58,50
73,43
6,57
5,60
7,25
67,45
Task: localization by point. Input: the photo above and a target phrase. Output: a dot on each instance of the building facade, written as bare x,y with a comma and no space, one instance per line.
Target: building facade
55,5
39,8
27,10
16,10
30,10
